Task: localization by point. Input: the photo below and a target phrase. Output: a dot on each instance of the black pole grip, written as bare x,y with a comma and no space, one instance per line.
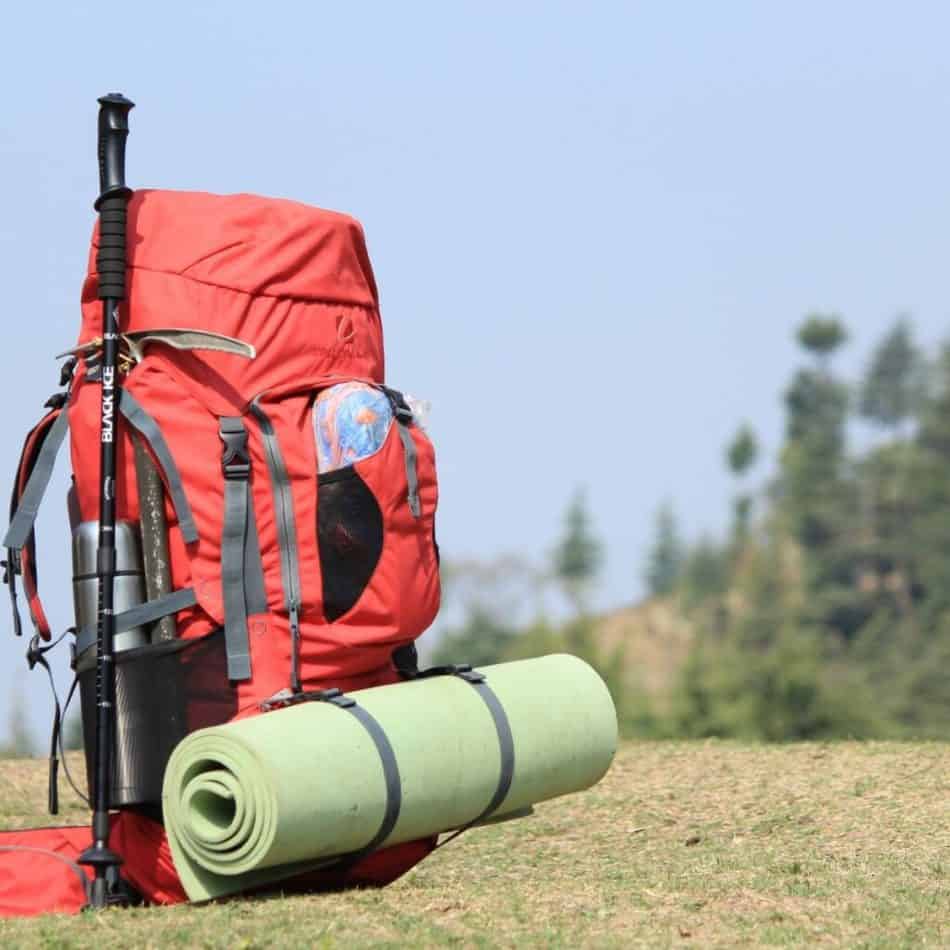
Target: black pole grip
114,195
110,258
113,131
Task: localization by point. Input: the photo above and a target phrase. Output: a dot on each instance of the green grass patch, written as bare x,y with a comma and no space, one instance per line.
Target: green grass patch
713,844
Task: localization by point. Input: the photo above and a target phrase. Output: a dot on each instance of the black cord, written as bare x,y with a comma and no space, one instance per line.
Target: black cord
36,654
57,753
62,750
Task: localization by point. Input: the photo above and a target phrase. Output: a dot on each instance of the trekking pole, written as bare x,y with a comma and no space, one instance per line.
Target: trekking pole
110,263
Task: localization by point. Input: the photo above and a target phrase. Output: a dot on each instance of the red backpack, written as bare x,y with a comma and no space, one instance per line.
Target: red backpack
282,578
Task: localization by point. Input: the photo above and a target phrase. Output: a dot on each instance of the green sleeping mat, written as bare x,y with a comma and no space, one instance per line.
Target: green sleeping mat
254,801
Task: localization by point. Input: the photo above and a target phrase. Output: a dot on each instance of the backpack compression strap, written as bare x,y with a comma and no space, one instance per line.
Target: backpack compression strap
236,466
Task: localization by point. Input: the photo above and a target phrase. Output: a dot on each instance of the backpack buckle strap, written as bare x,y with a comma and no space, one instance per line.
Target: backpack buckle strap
236,465
404,422
235,460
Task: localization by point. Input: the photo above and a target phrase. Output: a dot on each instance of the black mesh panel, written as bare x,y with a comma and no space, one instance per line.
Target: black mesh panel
163,692
350,535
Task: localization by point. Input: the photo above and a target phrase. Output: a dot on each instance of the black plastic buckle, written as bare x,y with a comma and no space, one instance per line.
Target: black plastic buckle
461,670
286,698
66,371
464,671
400,407
235,461
34,652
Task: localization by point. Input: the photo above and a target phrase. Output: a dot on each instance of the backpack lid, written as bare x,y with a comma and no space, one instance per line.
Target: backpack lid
262,246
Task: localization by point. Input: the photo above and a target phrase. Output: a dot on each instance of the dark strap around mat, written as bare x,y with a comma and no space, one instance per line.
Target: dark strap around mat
393,782
406,661
387,758
506,743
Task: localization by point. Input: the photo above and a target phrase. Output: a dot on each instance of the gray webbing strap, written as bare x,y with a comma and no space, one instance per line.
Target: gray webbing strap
148,428
412,473
387,758
236,465
255,594
143,614
506,746
22,523
391,775
405,660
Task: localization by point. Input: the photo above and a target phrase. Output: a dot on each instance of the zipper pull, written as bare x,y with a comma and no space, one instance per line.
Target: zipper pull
295,647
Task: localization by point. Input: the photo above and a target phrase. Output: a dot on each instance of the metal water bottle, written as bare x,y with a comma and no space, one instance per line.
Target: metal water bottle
129,581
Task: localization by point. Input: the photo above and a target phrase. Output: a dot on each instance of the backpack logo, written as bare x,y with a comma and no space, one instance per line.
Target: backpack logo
108,403
345,328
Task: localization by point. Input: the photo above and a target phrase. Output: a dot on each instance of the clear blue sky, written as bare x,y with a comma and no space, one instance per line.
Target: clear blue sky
594,226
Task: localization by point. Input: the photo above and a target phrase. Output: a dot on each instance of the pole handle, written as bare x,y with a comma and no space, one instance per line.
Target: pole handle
114,112
114,195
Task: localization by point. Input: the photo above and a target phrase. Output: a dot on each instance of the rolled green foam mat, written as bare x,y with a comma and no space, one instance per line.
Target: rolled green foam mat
255,801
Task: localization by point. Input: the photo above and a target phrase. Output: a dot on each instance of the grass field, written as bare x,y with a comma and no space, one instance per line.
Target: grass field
705,844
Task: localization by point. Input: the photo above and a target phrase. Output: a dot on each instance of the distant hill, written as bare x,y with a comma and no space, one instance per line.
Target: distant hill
655,639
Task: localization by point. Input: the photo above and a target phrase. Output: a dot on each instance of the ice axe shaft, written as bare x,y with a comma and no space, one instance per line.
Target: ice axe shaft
158,576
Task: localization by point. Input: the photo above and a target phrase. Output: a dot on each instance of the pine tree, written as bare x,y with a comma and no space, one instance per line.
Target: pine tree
665,561
741,455
821,335
743,451
815,496
579,554
892,388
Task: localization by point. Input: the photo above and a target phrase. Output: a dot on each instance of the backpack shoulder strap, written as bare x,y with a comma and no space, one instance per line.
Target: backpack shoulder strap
33,475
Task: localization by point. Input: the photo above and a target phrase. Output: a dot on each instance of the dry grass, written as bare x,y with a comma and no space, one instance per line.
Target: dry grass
712,844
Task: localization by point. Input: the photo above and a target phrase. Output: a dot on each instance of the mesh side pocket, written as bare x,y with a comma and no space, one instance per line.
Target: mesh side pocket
163,692
350,537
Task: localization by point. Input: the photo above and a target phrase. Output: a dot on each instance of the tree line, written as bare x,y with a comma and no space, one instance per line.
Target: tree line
823,611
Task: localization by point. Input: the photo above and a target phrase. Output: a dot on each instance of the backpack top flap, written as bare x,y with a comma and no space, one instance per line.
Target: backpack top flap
293,281
262,246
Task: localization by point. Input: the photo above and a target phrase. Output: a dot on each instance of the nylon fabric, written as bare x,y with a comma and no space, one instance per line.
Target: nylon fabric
313,321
